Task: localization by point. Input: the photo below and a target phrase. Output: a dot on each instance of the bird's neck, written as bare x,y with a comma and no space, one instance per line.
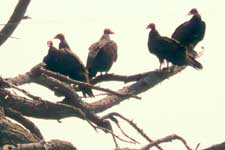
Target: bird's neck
63,40
196,18
52,48
105,37
153,33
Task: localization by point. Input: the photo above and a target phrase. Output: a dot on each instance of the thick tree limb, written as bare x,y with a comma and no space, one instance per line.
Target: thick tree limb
47,110
149,81
51,145
27,77
38,108
14,20
5,83
136,88
25,122
220,146
66,79
123,78
11,133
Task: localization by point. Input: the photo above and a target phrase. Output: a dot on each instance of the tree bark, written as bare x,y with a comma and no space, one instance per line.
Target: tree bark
11,133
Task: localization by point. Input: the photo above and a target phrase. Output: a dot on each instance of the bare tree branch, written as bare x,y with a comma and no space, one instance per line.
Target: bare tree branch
148,82
11,133
139,130
66,79
159,141
123,78
51,145
14,106
5,83
25,122
220,146
166,139
27,77
14,20
38,108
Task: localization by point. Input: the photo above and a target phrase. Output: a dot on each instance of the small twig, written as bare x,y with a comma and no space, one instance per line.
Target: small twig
27,17
133,125
85,118
197,146
114,139
118,125
66,79
166,139
8,84
111,132
12,37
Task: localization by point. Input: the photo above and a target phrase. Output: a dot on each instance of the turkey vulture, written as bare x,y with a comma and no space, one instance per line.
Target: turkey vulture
169,49
191,32
67,63
102,54
63,43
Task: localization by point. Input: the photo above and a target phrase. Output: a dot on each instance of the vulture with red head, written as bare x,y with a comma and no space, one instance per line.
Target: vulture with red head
63,43
102,54
169,49
191,32
69,64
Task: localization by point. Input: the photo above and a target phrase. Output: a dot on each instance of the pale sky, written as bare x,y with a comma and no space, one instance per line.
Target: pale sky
190,104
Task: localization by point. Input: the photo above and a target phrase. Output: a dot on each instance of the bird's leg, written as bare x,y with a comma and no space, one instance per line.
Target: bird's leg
191,51
161,62
167,64
160,66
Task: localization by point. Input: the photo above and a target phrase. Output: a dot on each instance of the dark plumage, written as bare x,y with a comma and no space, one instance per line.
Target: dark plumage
170,50
67,63
191,32
63,43
102,54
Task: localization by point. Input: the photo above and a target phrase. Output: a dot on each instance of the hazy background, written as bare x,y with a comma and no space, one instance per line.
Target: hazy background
190,104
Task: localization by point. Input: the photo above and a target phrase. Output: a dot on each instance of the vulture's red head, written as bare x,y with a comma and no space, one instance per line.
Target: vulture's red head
59,36
151,26
193,11
108,31
50,43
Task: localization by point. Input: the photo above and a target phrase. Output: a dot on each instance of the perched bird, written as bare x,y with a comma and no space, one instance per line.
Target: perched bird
191,32
102,54
63,43
169,49
67,63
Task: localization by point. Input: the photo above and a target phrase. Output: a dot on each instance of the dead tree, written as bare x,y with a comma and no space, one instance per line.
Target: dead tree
14,136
